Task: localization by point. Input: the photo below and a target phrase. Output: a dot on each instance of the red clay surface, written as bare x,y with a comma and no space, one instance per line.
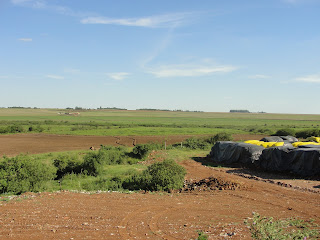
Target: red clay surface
68,215
11,145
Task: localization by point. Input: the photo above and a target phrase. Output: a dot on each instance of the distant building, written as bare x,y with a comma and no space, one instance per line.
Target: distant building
239,111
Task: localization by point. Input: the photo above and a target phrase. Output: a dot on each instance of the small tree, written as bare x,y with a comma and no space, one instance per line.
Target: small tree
285,132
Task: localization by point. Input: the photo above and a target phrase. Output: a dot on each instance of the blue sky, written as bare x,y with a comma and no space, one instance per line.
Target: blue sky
207,55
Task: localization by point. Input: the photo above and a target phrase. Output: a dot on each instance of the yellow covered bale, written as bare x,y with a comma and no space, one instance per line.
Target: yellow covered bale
297,144
272,144
252,141
278,144
265,144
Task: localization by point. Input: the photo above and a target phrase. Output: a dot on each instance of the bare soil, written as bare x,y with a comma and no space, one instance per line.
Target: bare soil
11,145
218,211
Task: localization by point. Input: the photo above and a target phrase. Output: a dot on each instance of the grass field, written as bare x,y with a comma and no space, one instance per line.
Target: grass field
126,123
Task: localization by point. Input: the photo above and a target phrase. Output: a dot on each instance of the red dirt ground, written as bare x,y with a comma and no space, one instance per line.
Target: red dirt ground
11,145
112,215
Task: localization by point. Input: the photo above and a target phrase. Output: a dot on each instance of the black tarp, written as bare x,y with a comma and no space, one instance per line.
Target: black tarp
309,146
232,152
304,161
276,159
272,139
289,139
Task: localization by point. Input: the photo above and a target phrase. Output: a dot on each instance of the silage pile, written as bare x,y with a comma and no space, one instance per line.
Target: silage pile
281,154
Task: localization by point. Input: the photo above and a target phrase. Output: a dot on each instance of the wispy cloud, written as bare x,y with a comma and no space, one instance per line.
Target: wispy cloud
25,39
259,76
157,21
310,78
57,77
118,75
43,4
188,70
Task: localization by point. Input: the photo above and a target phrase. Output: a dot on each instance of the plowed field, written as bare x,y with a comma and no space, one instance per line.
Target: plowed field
12,145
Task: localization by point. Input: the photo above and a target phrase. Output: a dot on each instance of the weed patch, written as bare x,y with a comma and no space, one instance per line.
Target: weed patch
292,228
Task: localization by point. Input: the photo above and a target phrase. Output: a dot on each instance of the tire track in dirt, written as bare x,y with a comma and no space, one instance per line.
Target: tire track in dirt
128,230
151,217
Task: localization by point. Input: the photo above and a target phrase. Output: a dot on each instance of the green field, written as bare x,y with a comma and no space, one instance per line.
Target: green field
123,122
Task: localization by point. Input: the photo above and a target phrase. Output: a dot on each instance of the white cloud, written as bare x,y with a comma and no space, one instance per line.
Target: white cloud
167,20
25,39
187,70
55,77
259,76
310,78
118,75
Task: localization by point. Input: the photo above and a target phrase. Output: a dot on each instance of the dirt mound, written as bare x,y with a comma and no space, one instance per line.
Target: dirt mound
211,184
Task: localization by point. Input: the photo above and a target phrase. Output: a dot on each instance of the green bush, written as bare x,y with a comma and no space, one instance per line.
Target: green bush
285,132
160,176
220,137
196,143
92,164
37,128
164,176
94,161
67,164
112,155
12,129
141,150
136,182
22,174
308,133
